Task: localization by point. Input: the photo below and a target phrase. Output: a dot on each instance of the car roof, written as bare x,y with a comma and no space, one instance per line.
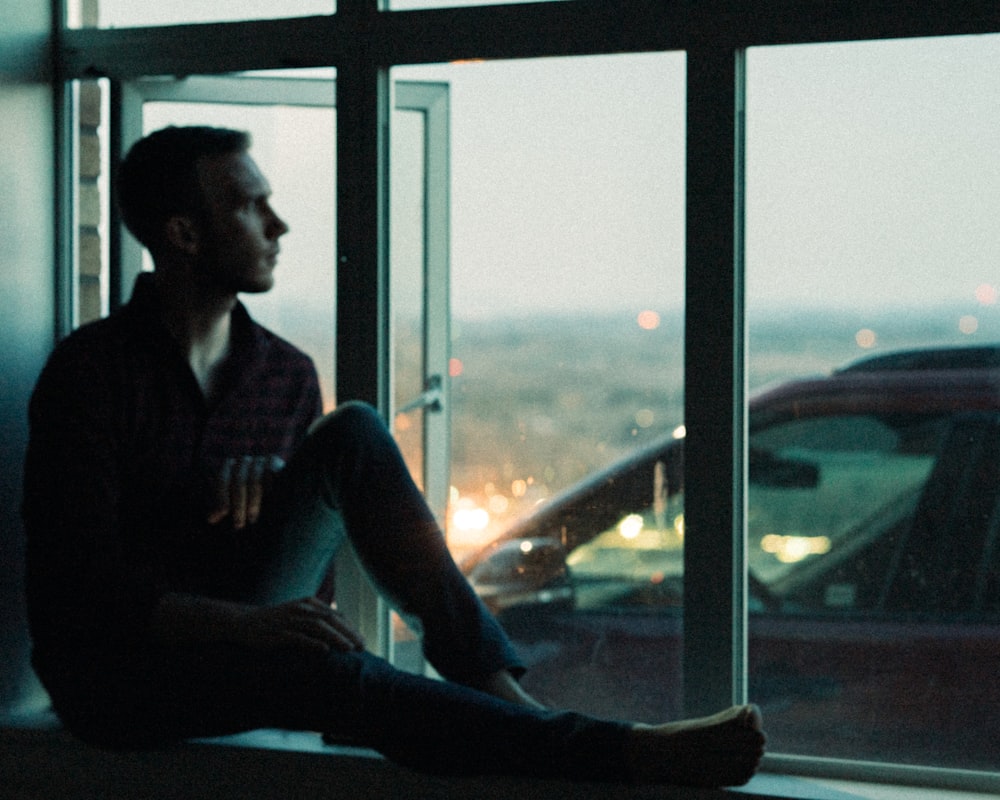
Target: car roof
929,359
929,380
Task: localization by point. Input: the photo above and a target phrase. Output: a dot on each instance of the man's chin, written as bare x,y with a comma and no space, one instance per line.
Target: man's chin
257,285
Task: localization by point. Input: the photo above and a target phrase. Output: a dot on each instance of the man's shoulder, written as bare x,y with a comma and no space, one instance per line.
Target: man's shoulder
277,348
282,346
83,366
94,341
283,373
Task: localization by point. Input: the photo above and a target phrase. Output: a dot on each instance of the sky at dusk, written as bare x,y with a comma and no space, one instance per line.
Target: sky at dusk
872,175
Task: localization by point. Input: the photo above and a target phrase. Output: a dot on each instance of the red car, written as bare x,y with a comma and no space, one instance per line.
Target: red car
874,555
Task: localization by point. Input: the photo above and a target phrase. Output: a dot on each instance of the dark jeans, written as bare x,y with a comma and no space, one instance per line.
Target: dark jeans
349,480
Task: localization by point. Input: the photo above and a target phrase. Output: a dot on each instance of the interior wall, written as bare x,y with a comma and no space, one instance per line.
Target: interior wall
27,298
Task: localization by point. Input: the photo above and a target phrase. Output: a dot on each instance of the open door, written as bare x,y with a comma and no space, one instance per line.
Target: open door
293,124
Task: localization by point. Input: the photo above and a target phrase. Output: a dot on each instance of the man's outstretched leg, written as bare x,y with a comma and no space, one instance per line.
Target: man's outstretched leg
427,725
440,727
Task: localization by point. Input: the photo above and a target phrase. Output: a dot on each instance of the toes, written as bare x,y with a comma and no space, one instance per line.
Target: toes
752,718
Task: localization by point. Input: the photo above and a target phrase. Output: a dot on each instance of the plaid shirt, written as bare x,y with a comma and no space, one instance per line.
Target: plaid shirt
117,476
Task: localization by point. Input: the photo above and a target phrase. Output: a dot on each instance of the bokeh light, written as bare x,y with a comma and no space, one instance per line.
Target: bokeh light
865,338
986,295
649,320
968,324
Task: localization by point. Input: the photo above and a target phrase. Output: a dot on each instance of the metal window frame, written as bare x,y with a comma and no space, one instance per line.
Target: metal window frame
363,40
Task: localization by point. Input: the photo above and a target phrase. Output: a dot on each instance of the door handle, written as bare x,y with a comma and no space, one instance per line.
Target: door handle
430,399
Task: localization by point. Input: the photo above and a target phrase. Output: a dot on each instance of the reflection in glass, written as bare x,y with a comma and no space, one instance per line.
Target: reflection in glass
567,252
872,197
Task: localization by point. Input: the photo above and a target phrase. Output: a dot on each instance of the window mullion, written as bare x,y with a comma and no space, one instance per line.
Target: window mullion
362,339
362,344
715,408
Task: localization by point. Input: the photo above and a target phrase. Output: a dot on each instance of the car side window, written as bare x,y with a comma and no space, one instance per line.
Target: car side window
831,501
827,546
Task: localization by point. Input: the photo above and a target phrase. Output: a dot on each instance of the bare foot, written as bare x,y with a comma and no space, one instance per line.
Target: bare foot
721,750
505,686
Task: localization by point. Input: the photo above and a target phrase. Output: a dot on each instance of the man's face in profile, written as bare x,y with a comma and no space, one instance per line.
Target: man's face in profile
238,238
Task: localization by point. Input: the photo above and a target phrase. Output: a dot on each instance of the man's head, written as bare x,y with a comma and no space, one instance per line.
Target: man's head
194,195
159,177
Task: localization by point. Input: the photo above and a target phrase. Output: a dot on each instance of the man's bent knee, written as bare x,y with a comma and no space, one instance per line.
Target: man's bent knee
354,415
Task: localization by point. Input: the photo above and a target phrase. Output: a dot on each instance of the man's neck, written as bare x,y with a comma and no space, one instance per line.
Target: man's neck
200,323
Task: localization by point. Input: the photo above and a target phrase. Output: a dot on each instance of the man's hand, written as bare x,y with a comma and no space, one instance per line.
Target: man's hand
308,623
239,489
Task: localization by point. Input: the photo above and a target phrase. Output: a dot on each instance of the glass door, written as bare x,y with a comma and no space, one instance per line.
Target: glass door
292,121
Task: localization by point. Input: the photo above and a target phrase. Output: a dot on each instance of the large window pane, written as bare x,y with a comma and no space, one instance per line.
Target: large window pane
399,5
136,13
873,190
567,356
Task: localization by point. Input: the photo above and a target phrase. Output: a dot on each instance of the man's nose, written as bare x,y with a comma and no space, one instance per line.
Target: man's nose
277,227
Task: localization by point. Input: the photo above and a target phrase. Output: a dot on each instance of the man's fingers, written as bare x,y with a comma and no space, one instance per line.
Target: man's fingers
257,473
220,499
331,627
350,638
308,623
240,488
238,491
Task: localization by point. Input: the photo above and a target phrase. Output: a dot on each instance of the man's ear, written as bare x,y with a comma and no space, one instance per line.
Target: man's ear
183,234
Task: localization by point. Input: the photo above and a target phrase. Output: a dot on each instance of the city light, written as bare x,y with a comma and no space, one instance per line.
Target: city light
470,525
968,324
471,519
649,320
986,295
792,549
631,526
865,338
498,504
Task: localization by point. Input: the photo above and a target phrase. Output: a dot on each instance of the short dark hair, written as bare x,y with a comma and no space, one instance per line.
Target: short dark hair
159,177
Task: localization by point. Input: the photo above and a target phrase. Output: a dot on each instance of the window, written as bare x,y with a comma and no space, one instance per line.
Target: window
871,191
626,569
402,5
566,277
134,13
870,532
